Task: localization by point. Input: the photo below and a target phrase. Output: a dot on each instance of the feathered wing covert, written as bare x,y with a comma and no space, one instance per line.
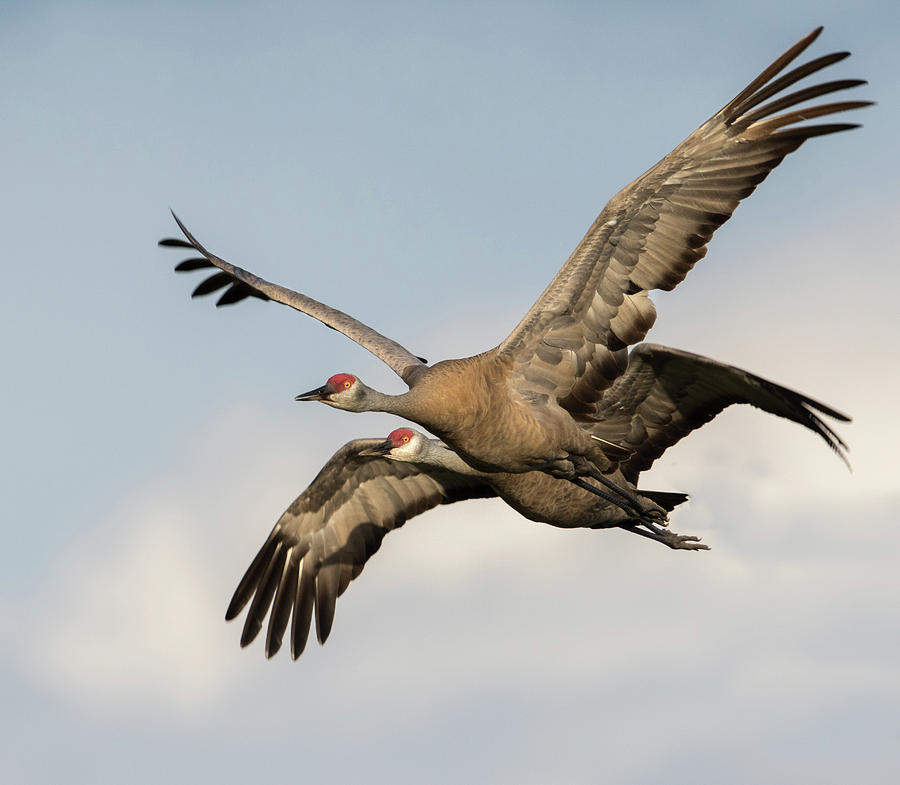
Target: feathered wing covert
323,540
666,393
572,344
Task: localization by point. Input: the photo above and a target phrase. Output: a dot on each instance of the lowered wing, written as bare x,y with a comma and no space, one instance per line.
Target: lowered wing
323,540
665,394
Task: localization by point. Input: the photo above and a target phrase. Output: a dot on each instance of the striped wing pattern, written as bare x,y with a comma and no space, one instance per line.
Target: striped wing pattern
666,393
573,342
323,540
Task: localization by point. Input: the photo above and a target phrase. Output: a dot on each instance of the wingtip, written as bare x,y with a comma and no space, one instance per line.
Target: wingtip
298,645
185,230
180,224
251,630
841,448
804,42
191,239
272,648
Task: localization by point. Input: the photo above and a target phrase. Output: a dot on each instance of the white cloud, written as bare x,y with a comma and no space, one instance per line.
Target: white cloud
133,620
131,615
471,607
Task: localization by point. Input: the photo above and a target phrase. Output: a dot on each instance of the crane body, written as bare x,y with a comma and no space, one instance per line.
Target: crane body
522,405
560,418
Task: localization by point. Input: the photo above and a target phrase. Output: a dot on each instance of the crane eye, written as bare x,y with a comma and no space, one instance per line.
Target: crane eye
405,439
348,384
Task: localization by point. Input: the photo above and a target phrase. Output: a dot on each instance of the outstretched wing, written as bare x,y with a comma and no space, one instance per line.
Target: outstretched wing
666,393
244,284
323,540
572,343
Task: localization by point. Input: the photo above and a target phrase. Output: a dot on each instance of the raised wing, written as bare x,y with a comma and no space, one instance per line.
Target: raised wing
244,284
666,393
323,540
572,343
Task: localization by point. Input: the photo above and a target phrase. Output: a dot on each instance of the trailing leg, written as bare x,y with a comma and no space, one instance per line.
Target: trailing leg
678,542
631,502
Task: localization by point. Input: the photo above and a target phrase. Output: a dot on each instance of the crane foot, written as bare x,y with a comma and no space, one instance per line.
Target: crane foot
677,542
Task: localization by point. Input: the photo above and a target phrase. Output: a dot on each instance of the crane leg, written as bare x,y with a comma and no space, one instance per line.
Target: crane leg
619,501
649,517
621,497
678,542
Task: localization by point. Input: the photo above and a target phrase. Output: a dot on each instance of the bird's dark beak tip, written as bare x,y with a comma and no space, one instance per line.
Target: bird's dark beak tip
313,395
378,450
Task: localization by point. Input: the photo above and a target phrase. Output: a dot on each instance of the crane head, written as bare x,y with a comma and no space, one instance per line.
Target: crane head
401,436
343,391
402,444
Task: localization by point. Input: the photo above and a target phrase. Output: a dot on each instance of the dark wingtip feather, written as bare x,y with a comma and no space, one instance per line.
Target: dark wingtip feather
778,65
806,94
189,265
265,592
810,131
248,583
282,604
823,429
327,590
301,620
174,242
234,294
811,403
212,284
250,631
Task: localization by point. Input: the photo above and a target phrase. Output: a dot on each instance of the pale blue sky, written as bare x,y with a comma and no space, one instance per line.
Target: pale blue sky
428,167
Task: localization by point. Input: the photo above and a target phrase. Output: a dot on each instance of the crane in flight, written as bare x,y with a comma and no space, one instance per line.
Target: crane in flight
541,400
373,486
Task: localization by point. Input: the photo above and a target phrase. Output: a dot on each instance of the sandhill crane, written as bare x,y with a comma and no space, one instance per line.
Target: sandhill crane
522,406
325,537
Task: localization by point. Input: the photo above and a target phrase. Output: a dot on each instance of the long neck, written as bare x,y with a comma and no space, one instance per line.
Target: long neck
435,454
402,405
448,398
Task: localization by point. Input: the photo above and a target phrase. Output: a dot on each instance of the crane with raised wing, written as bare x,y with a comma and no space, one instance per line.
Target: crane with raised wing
541,399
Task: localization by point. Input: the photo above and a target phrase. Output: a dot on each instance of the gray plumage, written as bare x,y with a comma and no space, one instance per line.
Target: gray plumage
324,538
559,420
522,406
372,486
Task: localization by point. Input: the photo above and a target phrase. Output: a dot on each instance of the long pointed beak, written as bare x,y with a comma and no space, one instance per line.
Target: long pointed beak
383,448
313,395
